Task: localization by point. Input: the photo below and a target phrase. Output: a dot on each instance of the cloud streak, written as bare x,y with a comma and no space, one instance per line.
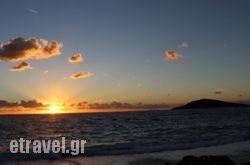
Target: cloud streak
119,105
21,67
31,10
172,55
78,57
81,75
19,49
218,92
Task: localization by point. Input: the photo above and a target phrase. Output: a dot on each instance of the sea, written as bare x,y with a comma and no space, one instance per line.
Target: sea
117,136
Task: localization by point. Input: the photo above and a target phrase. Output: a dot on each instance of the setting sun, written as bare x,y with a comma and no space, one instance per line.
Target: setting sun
54,109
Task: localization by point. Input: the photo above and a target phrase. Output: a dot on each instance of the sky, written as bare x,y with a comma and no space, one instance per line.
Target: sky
143,52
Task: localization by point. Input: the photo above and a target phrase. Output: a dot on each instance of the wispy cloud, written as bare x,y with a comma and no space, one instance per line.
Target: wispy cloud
78,57
172,55
240,95
21,67
184,45
31,10
80,75
45,72
18,49
218,92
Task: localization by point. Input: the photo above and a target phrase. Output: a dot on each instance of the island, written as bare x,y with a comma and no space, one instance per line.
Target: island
209,103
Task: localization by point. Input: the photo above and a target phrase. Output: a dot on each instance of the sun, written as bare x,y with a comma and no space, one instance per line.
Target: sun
54,109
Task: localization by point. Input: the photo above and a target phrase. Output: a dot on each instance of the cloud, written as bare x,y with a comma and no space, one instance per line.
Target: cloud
31,104
119,105
31,10
218,92
81,75
45,72
24,104
78,57
184,45
172,55
21,67
98,104
18,49
5,104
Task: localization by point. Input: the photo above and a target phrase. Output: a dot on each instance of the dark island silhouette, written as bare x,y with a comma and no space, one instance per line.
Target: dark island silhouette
209,103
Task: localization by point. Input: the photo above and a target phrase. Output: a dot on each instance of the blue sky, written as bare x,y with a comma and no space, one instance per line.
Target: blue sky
123,43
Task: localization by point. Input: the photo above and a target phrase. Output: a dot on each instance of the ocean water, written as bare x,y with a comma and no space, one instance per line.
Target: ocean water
128,133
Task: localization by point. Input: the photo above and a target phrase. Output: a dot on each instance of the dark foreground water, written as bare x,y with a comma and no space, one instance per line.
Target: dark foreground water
132,132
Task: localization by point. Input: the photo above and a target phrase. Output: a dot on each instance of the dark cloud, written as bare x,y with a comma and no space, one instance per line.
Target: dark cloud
49,49
24,104
78,57
172,55
21,67
31,104
119,105
218,92
81,75
5,104
85,105
18,49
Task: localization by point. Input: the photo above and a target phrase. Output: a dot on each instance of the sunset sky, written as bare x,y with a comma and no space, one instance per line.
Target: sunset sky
151,52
